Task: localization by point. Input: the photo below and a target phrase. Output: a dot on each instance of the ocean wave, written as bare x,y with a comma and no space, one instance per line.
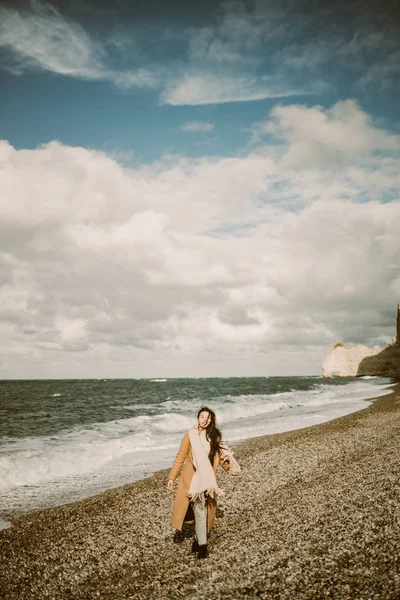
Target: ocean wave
44,462
98,448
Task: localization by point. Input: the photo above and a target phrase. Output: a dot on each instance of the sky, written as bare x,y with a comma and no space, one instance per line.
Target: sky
196,189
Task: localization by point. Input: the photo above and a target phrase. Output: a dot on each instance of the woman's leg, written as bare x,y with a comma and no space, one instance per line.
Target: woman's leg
200,516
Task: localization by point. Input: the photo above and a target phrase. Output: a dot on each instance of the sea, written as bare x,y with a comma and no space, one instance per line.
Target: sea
63,440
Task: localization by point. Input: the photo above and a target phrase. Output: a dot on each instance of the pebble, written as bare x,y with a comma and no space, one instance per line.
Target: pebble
315,515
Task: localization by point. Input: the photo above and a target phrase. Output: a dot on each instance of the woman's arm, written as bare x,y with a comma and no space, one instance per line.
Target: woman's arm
227,460
180,458
223,454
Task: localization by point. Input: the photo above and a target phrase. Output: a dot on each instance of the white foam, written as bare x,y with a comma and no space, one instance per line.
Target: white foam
46,470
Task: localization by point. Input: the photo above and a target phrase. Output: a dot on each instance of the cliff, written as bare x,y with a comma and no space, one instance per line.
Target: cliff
355,361
383,364
344,361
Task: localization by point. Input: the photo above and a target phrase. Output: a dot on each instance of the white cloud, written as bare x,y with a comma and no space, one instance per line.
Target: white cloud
141,77
200,267
71,330
204,45
197,126
384,72
287,40
371,55
307,55
338,135
41,37
226,61
240,33
210,88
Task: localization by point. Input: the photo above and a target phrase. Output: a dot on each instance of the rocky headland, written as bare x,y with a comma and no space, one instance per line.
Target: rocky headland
343,360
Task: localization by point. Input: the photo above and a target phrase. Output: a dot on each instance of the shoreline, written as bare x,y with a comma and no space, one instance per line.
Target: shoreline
314,511
275,426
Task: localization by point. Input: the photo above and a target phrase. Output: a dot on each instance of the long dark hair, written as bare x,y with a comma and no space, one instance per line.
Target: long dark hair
213,434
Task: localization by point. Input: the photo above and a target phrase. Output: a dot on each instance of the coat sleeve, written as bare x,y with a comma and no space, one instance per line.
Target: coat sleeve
227,460
223,456
180,457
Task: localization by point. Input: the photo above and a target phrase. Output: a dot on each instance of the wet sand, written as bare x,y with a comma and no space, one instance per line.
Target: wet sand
315,515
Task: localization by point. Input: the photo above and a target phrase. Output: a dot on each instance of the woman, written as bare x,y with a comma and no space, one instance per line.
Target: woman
202,449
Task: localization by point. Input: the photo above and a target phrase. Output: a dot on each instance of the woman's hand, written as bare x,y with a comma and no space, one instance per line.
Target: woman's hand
170,486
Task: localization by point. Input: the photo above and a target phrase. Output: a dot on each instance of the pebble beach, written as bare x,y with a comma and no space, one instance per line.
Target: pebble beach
315,514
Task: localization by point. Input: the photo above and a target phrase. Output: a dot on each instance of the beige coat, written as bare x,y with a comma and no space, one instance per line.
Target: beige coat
181,503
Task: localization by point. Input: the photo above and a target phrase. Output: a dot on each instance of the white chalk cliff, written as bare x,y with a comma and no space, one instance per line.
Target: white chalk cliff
344,361
352,361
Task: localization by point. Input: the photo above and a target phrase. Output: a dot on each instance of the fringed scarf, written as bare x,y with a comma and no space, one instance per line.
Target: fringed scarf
203,482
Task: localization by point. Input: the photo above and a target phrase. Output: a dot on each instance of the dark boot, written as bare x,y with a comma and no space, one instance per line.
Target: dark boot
195,545
178,537
202,551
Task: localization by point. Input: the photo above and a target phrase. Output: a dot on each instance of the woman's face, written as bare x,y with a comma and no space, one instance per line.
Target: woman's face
204,419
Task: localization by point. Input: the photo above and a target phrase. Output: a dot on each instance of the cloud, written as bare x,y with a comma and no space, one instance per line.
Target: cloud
192,267
204,45
213,89
385,73
197,126
246,52
339,135
239,33
42,38
291,43
308,55
372,56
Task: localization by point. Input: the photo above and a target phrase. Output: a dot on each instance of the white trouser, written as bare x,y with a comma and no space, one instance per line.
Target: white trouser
200,519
